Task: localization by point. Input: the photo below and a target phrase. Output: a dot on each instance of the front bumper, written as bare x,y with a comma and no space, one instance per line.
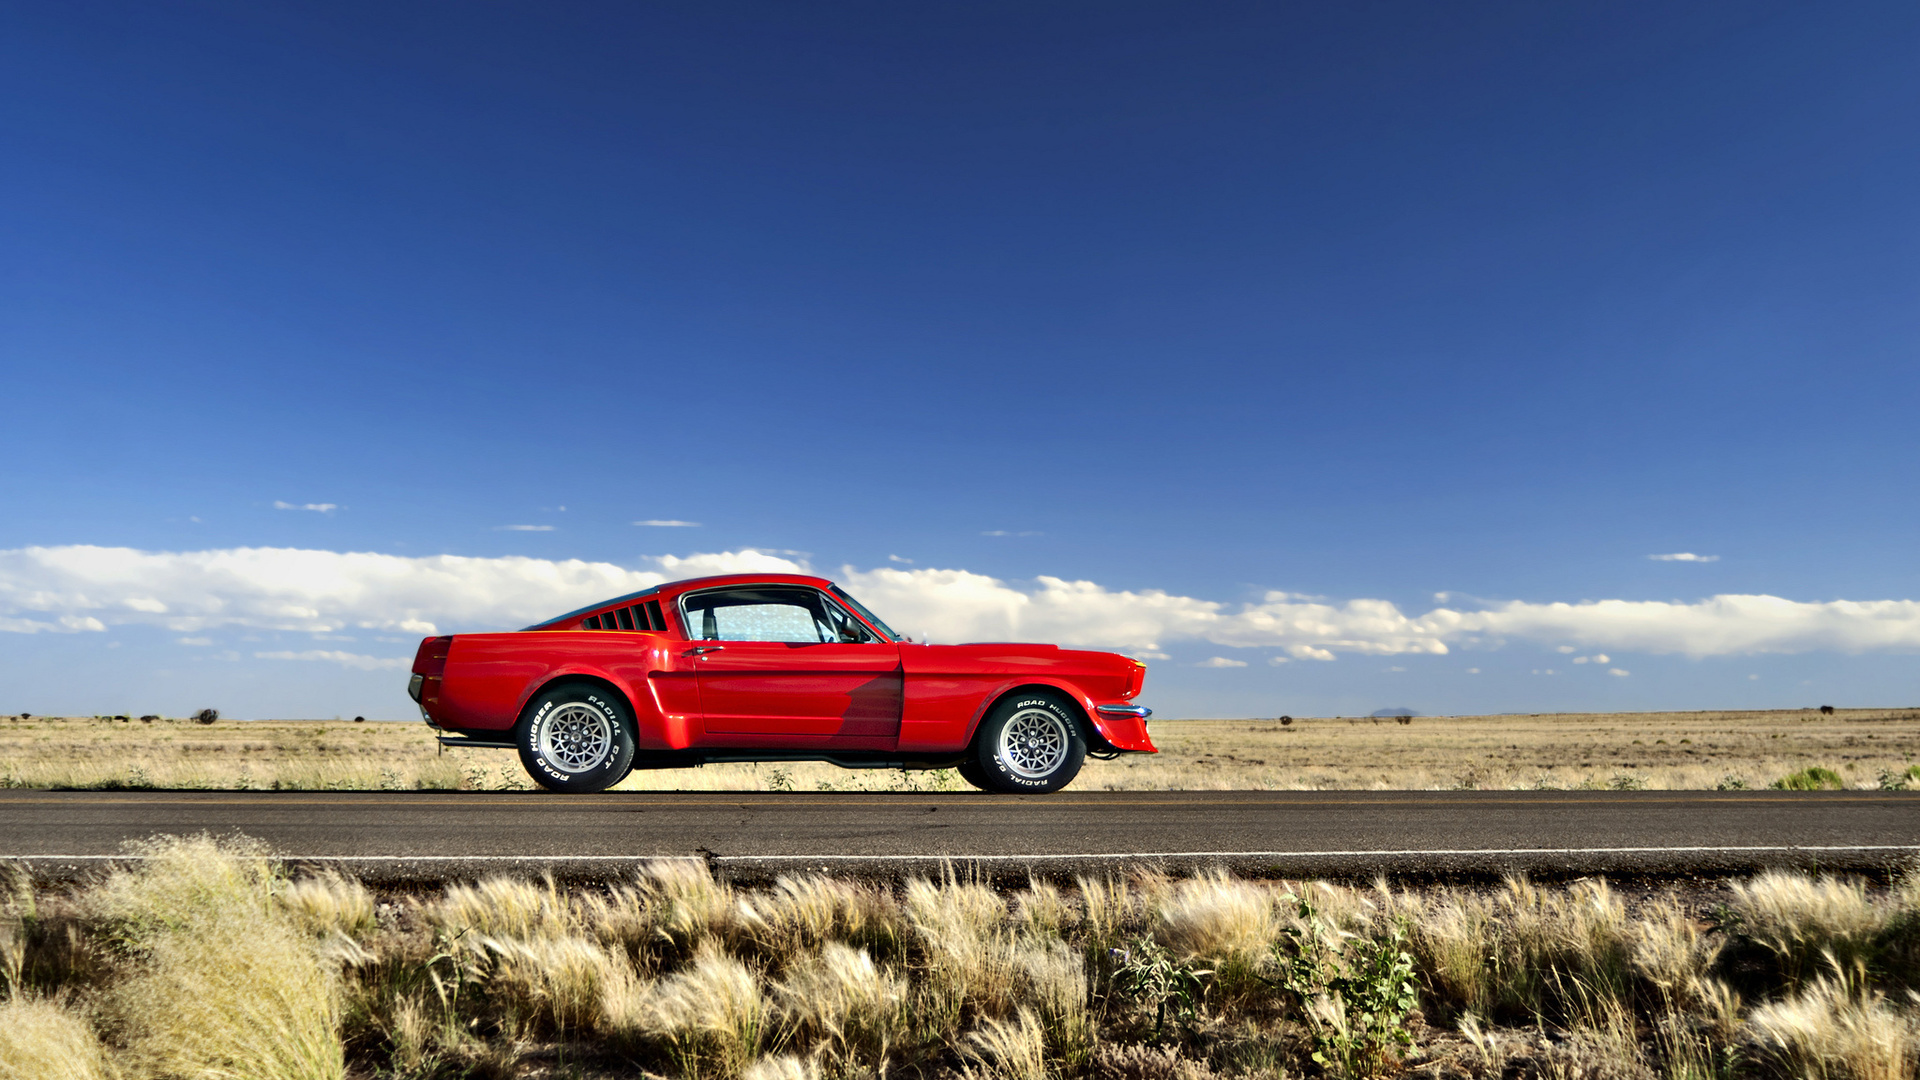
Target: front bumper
1137,712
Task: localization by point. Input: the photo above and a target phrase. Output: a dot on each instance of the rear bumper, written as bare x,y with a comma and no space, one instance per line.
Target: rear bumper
1138,712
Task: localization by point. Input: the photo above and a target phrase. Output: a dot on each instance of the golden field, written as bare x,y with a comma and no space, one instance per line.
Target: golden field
207,960
1863,748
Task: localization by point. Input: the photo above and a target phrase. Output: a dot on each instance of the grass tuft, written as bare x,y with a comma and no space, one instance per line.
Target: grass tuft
1833,1031
711,1018
42,1039
221,982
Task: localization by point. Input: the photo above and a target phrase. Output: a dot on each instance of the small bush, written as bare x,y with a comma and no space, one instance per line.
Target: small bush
1354,991
206,716
1895,780
1153,979
1812,778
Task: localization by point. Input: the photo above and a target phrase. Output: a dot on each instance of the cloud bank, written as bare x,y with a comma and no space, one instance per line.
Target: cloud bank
81,588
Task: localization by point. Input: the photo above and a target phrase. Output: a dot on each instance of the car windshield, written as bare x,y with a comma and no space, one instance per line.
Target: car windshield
861,610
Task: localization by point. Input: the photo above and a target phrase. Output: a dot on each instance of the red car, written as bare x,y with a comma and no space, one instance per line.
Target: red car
772,667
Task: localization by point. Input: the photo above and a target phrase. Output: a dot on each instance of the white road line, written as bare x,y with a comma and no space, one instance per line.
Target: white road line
1424,852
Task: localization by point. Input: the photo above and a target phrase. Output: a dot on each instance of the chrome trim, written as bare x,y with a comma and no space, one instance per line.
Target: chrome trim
482,743
413,687
1140,712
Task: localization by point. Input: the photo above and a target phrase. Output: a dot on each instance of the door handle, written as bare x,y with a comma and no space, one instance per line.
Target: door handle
701,649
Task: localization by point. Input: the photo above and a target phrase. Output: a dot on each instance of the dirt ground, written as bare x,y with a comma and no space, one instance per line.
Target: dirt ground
1867,748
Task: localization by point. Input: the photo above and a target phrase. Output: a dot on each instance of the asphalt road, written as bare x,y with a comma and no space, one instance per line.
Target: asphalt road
427,836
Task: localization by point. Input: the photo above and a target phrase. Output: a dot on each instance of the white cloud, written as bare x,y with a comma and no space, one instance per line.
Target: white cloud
1617,671
1008,532
1684,556
319,508
523,528
1473,671
195,640
1276,661
665,523
1564,649
82,587
85,588
1581,659
1220,661
346,659
898,559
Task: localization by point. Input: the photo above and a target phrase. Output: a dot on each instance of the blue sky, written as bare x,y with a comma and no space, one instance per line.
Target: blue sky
1364,302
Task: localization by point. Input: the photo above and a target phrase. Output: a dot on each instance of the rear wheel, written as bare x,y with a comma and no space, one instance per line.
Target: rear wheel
969,770
576,737
1031,743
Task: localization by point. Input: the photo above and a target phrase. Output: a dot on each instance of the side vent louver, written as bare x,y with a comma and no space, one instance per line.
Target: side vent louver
638,617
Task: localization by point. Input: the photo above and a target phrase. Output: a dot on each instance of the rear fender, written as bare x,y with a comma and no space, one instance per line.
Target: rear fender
646,716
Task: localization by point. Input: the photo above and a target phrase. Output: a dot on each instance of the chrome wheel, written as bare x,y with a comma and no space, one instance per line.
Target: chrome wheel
576,738
1033,743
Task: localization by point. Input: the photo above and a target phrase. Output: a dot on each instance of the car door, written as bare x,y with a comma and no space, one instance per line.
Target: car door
784,665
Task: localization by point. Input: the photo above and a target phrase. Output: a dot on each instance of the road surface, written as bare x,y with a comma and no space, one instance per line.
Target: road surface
399,836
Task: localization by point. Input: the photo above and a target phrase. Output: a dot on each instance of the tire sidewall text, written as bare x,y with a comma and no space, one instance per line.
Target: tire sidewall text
608,771
1002,775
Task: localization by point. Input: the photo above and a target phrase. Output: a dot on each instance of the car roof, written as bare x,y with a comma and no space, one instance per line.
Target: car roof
670,589
674,588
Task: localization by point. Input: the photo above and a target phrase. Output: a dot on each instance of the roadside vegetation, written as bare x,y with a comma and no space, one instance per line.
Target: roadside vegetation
206,959
1791,749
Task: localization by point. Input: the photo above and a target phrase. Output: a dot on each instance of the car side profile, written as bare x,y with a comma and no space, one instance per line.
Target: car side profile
772,667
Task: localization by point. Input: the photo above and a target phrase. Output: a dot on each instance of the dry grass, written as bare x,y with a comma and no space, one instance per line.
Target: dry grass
45,1040
1693,750
1833,1031
207,962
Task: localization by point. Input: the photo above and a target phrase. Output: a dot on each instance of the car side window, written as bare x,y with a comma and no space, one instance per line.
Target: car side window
770,614
844,628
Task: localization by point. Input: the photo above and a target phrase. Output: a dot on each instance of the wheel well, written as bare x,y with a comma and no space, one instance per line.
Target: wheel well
1095,740
633,715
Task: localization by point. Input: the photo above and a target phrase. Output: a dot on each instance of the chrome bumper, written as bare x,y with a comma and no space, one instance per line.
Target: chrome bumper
1138,712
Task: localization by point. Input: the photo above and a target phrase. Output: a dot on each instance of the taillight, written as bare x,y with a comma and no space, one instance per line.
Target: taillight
1138,680
431,660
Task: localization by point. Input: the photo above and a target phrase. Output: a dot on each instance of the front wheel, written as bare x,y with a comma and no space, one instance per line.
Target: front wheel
1030,743
576,738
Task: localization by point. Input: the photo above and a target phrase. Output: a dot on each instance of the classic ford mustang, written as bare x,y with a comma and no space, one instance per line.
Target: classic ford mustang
772,667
